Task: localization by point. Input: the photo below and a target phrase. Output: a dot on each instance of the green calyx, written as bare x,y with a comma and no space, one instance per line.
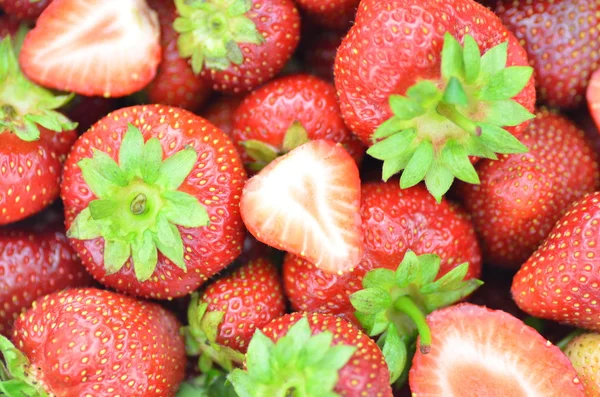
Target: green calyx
15,379
201,338
212,383
24,106
139,207
210,32
299,364
438,125
394,305
262,153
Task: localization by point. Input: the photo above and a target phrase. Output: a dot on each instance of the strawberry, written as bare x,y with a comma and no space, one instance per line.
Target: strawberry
560,280
306,202
224,317
337,14
394,221
483,352
175,83
584,353
425,102
76,342
521,196
318,54
593,97
147,223
312,354
24,9
237,44
9,26
562,41
93,48
35,140
285,113
34,263
220,112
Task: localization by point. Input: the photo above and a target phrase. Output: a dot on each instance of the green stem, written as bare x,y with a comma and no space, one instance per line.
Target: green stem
562,344
451,113
406,305
138,205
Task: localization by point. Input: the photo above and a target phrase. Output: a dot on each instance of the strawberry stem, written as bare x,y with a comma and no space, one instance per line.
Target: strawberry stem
562,344
451,113
407,306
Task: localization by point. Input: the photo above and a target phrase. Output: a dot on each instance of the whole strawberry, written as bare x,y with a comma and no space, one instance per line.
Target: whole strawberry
560,280
223,318
77,342
394,221
336,14
24,9
221,112
584,353
562,41
151,198
426,102
237,44
34,263
521,196
313,354
286,113
35,141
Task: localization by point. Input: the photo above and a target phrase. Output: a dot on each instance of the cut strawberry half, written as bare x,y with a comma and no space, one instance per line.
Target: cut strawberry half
307,202
476,351
95,47
593,97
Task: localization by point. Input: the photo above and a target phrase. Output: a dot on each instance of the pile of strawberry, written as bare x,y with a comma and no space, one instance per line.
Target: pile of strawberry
299,198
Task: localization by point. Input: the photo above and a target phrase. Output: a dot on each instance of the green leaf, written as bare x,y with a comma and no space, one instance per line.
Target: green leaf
447,297
316,348
116,253
418,165
257,362
97,183
151,160
408,271
454,93
450,279
471,59
101,209
507,113
108,168
176,168
239,7
405,108
184,210
242,382
394,352
429,268
379,278
338,356
144,256
245,31
388,128
371,300
260,151
210,324
84,227
131,151
506,84
295,136
288,348
456,158
394,146
234,53
494,60
500,140
438,180
169,243
393,166
452,58
425,92
197,61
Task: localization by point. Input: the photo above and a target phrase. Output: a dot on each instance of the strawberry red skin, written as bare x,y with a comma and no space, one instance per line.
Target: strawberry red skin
336,14
175,83
83,340
279,23
30,172
393,221
212,248
34,263
24,9
560,280
372,64
562,41
267,113
250,297
521,196
221,112
365,372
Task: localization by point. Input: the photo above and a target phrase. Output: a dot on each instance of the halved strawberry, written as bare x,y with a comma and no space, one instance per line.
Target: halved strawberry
476,351
93,47
307,203
593,96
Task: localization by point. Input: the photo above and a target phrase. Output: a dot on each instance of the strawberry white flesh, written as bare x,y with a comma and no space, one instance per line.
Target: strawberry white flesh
307,203
593,96
94,47
476,351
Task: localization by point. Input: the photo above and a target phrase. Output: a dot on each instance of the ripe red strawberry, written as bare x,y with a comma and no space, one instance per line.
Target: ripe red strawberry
426,102
149,224
560,280
593,97
237,44
284,114
483,352
521,196
316,353
89,342
35,140
393,222
34,263
221,111
318,53
336,14
24,9
306,202
175,83
584,353
562,41
93,48
225,316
